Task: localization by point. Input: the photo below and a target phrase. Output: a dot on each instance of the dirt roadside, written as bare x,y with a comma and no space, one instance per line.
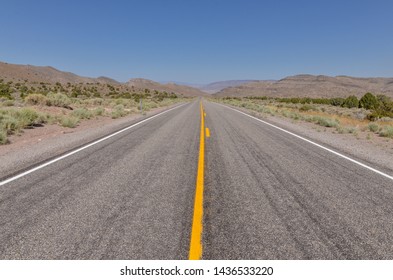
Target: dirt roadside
367,147
41,143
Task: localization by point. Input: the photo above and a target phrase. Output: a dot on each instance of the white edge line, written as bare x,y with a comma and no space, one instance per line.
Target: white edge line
313,143
83,148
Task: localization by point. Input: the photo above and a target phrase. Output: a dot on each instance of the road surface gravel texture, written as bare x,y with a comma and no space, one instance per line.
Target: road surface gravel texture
267,195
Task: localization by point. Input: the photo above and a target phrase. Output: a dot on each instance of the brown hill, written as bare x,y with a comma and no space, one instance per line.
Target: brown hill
313,86
45,74
30,75
171,87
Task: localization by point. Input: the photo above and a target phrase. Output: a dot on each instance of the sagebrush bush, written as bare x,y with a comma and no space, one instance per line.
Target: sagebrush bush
69,121
118,111
82,113
97,101
3,137
36,99
58,100
373,127
327,122
346,129
8,103
307,107
387,131
99,111
351,130
8,123
16,119
27,117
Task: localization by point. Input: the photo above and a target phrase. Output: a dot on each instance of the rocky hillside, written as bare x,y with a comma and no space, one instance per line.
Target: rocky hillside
312,86
44,78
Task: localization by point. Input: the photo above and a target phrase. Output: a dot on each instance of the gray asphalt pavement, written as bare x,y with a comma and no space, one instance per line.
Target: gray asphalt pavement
129,197
268,195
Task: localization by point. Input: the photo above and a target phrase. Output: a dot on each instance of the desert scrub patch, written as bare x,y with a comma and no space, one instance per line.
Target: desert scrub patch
326,122
118,111
81,113
387,131
8,103
99,111
352,130
36,99
95,101
342,129
120,101
27,117
3,137
308,107
14,120
373,127
69,121
8,123
58,100
22,117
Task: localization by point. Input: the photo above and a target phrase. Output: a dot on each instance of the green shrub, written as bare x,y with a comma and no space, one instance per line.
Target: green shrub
373,127
348,129
27,117
118,111
351,102
8,123
387,131
368,101
326,122
307,107
378,114
9,103
97,101
99,111
58,100
337,101
12,120
69,121
385,103
82,113
3,137
351,130
5,90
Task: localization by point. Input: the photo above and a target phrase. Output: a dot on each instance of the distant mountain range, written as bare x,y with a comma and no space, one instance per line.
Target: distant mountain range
293,86
218,86
312,86
30,75
168,87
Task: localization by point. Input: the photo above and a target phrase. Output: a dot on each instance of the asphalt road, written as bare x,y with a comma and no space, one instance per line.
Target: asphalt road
129,197
267,195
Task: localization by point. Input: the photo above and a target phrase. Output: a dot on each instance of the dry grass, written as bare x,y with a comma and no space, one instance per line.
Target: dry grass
340,120
60,109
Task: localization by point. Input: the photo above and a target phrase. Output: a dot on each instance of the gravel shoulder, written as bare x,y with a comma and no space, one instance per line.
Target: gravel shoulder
41,143
376,150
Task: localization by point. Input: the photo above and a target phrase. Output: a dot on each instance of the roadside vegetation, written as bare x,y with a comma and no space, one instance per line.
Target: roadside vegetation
24,106
371,114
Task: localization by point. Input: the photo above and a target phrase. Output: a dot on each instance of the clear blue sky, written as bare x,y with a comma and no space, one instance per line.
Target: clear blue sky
200,41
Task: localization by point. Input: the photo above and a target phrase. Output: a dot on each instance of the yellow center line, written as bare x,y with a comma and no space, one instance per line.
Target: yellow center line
197,221
207,132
